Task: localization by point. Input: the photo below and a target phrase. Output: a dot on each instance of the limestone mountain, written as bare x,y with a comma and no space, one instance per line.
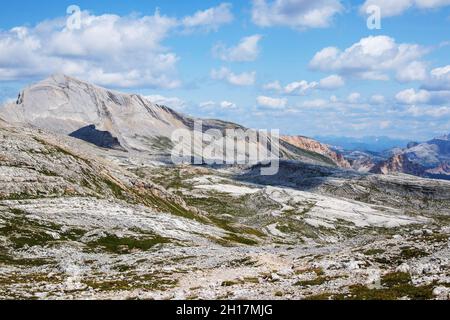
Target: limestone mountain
115,120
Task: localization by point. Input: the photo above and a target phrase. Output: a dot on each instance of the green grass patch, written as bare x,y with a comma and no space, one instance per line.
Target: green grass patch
131,282
114,244
396,285
412,253
315,282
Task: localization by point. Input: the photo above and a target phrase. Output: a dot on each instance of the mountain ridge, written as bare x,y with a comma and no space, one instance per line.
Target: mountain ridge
429,159
109,118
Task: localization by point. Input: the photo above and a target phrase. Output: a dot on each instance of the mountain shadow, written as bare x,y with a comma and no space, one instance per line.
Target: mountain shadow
102,139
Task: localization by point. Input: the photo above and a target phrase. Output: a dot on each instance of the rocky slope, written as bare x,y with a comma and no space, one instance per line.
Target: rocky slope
315,146
429,159
74,225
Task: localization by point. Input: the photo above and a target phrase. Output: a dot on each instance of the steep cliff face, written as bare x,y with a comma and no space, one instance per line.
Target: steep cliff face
317,147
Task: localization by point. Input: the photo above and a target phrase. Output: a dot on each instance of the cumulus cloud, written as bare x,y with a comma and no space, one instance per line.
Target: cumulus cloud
429,111
224,105
411,96
415,71
172,102
242,79
439,79
332,82
228,105
299,87
373,58
297,14
110,50
273,103
390,8
354,97
107,50
209,20
247,50
303,87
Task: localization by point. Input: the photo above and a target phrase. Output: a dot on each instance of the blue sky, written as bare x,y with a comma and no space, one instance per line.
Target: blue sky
305,67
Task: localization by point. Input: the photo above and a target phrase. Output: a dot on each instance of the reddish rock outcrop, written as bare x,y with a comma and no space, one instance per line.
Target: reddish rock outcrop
320,148
398,163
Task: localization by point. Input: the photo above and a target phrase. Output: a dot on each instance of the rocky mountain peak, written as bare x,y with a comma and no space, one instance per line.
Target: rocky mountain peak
445,137
67,105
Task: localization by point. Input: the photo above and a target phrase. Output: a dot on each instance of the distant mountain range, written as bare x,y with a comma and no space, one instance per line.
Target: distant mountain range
384,155
429,159
369,143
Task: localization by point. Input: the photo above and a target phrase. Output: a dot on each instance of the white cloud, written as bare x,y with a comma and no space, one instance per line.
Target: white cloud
410,96
303,87
354,97
415,71
172,102
332,82
274,86
207,104
243,79
273,103
439,79
370,58
228,105
316,103
377,99
391,8
107,50
297,14
209,20
432,4
225,105
385,124
247,50
300,87
110,50
433,112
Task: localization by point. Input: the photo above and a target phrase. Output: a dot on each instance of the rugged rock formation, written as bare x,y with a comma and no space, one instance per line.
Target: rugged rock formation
320,148
398,164
428,159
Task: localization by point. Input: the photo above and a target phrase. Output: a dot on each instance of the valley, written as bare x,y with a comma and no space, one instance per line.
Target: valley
109,217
